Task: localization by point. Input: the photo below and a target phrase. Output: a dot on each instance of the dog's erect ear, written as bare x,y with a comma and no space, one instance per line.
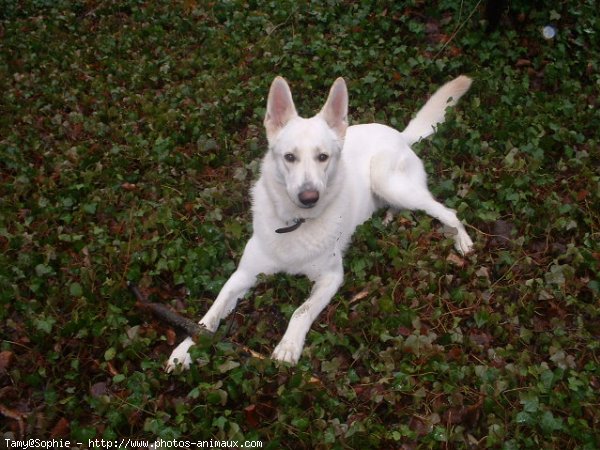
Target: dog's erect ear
335,111
280,107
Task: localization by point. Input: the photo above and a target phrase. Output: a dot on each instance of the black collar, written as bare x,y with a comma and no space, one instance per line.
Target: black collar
297,223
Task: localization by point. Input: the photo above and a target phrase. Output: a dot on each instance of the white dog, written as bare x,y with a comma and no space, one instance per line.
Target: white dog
319,180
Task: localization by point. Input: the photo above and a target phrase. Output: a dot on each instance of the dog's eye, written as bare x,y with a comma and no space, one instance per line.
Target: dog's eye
323,157
289,157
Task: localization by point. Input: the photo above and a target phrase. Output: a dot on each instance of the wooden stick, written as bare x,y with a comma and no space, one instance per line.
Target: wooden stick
192,328
163,312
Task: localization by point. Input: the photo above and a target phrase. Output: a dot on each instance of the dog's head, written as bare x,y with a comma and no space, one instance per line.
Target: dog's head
306,151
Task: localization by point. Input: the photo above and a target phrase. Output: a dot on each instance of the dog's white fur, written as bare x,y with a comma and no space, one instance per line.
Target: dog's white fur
353,171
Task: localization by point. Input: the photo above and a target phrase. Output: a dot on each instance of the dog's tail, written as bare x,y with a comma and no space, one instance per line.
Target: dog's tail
434,111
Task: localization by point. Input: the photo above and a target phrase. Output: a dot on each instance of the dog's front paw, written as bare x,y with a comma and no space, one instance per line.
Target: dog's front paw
180,356
463,243
288,352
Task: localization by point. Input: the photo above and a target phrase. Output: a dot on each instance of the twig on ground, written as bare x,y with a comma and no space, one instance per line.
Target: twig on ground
163,312
190,327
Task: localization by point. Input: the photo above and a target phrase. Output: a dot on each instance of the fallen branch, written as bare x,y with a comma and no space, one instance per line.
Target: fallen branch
163,312
190,327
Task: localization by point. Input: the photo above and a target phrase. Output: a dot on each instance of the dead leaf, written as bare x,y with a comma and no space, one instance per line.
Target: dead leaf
111,369
171,336
251,417
523,63
359,296
540,324
456,260
432,27
15,415
87,262
404,331
455,353
129,186
458,415
61,429
480,338
409,446
502,233
581,195
6,359
135,418
483,272
454,51
98,389
419,426
189,5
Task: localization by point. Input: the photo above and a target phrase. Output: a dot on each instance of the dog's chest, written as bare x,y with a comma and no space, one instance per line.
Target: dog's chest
307,247
315,235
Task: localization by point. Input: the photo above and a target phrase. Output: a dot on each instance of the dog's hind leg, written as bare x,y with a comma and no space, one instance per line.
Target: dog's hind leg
408,190
251,265
462,241
326,285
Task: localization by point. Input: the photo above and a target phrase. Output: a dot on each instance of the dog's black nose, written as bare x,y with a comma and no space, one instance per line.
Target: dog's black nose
308,198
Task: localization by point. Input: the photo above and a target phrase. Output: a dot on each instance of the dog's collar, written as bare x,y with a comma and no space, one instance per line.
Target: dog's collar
295,226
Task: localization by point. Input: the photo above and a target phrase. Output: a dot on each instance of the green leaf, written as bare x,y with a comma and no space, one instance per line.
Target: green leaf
75,289
90,208
118,378
549,423
531,404
227,366
481,318
217,397
43,270
301,423
45,324
110,353
439,434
